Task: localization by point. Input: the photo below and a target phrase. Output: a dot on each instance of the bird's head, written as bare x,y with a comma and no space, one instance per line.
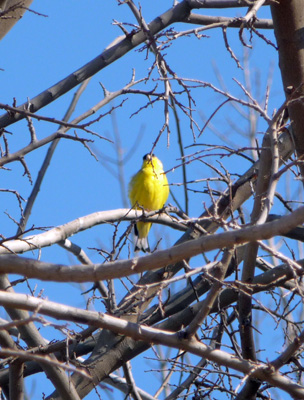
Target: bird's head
151,161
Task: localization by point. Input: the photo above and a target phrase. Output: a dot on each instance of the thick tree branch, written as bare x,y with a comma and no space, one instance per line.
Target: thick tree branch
60,233
288,19
162,258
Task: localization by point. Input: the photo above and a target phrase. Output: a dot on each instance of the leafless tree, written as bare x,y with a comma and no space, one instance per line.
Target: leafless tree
202,322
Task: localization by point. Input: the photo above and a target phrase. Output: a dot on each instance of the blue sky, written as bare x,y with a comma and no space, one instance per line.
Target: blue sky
41,50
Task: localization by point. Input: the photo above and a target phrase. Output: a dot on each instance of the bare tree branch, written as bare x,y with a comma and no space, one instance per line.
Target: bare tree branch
140,332
61,273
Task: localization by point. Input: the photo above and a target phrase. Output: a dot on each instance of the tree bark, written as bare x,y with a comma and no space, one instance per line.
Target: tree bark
12,11
288,20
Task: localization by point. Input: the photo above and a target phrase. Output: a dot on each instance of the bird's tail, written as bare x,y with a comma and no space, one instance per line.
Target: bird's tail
142,240
142,244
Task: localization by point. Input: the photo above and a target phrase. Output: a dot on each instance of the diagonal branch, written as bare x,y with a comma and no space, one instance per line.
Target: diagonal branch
162,258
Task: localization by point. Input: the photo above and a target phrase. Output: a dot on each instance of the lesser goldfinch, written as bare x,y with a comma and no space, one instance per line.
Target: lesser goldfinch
148,189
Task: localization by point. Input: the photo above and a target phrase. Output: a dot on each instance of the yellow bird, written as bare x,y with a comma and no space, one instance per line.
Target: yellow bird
148,189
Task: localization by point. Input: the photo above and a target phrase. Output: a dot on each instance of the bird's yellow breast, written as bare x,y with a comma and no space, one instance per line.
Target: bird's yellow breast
149,187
